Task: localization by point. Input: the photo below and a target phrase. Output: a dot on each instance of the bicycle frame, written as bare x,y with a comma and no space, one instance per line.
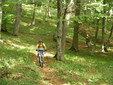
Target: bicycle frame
41,61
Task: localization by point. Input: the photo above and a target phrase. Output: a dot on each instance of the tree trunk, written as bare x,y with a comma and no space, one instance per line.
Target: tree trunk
17,21
4,28
47,12
59,30
64,1
34,14
108,41
4,21
67,15
40,8
0,19
103,27
96,34
76,27
85,9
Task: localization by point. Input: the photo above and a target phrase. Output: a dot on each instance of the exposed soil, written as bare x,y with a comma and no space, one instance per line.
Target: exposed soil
49,75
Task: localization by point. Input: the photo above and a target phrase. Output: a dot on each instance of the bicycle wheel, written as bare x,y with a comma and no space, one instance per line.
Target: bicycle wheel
41,62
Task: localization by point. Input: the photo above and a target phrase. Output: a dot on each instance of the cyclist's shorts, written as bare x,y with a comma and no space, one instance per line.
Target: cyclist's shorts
41,52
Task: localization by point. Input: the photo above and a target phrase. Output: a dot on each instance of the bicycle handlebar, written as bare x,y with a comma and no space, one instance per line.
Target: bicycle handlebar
39,50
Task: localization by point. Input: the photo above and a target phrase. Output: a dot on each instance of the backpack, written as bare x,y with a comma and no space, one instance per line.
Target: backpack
87,37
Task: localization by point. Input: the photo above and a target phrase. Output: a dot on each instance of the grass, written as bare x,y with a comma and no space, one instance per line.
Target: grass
15,63
80,68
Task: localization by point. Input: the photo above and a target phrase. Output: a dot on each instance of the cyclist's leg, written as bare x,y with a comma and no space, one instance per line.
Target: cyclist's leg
39,56
37,53
43,56
87,43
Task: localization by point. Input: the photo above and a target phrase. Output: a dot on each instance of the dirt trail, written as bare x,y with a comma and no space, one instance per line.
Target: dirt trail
49,75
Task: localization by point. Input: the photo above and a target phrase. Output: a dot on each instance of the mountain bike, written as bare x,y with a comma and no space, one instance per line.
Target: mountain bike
40,58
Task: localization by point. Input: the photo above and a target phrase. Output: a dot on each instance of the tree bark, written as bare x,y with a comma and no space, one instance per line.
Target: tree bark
47,12
95,40
108,41
17,21
67,15
34,14
40,8
76,27
59,31
85,9
3,27
4,21
103,27
0,18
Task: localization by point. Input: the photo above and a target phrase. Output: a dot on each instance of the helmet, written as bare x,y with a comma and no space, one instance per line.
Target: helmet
87,35
40,41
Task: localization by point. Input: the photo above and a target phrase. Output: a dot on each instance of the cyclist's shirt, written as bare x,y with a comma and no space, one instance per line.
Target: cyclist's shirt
41,46
87,37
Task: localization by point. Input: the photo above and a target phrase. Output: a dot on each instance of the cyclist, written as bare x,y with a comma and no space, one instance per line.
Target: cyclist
40,49
88,40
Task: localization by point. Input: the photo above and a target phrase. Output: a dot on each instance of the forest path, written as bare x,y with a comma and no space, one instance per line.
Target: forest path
49,75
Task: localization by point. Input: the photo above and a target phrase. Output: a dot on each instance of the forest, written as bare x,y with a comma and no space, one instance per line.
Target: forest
76,37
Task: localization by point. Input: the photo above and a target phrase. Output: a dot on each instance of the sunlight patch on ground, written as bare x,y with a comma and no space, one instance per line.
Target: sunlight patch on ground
25,24
92,76
26,5
10,63
1,41
110,49
21,47
13,45
32,29
76,58
48,54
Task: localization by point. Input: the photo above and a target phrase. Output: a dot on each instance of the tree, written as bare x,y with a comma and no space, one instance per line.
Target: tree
66,18
103,25
34,13
108,41
76,26
96,34
4,20
59,31
47,12
17,21
0,17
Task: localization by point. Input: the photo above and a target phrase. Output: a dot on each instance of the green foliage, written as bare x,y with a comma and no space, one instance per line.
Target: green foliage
15,62
78,68
16,52
84,69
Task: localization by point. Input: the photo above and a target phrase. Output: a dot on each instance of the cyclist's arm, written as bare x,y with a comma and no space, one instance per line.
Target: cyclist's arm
37,46
45,47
